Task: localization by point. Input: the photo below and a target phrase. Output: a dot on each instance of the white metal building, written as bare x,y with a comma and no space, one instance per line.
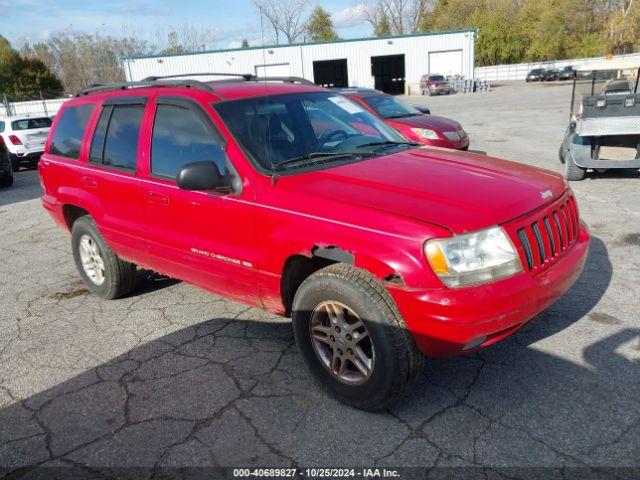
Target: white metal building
388,64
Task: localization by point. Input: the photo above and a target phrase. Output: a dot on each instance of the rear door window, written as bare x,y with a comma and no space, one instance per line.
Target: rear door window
31,123
67,137
180,137
115,140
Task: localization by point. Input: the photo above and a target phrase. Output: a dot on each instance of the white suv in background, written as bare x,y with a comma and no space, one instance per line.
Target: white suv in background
24,137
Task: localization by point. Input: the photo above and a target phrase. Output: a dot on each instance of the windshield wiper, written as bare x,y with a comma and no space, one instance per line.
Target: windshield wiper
388,142
404,115
312,155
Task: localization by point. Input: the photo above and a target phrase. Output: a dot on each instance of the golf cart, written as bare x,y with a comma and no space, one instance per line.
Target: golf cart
604,127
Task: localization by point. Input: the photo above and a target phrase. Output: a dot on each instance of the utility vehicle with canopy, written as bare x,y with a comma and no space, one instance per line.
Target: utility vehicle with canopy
604,126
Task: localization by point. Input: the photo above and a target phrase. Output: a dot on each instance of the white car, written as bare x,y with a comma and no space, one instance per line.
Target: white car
24,137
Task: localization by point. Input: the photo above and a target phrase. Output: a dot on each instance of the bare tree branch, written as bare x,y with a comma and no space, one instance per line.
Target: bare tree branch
288,18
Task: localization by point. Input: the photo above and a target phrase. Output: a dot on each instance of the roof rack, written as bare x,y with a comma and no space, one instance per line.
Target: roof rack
107,87
247,77
300,80
244,76
178,81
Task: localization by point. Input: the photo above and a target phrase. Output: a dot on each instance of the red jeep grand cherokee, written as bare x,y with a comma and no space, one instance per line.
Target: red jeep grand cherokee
287,196
409,121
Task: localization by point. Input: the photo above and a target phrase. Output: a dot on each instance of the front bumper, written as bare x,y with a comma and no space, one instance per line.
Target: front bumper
446,321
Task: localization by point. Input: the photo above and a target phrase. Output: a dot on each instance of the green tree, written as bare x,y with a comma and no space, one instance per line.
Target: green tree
245,43
383,27
320,27
499,37
24,78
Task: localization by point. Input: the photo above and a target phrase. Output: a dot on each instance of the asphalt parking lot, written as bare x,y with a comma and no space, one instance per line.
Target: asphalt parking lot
174,376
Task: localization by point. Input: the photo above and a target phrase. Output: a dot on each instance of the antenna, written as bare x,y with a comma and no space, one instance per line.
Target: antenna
264,64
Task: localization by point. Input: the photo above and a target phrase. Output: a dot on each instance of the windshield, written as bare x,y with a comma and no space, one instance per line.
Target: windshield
436,78
30,123
390,107
296,130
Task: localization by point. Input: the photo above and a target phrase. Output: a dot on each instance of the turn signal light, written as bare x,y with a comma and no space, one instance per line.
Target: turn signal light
436,259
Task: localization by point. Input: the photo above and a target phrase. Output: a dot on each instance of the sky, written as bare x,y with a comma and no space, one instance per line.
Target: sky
232,20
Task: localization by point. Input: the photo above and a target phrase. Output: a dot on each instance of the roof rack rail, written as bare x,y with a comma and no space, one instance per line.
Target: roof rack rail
177,81
244,76
107,87
300,80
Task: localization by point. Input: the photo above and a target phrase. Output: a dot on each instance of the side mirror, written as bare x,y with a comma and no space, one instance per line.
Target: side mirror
422,109
202,176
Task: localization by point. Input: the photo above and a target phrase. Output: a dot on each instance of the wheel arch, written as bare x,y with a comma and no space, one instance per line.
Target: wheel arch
299,267
71,213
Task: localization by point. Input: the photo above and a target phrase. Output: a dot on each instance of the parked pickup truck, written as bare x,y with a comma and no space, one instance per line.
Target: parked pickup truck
284,195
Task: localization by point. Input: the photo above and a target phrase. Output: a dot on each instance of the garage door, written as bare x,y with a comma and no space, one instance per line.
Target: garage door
274,70
446,63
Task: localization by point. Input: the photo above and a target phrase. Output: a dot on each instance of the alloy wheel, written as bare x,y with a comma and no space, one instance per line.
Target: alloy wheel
92,262
342,342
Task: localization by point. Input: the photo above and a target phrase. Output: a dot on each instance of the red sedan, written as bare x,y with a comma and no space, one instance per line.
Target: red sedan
411,122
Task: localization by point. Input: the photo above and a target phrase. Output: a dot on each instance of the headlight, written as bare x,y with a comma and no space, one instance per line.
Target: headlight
453,136
472,258
425,133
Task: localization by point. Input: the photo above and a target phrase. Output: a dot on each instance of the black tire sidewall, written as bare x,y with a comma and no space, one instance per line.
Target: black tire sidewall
86,226
377,388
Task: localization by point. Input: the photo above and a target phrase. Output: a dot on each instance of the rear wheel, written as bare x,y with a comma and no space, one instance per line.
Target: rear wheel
573,171
353,338
6,181
103,272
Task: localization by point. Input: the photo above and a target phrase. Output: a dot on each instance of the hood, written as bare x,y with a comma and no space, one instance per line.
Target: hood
457,190
432,122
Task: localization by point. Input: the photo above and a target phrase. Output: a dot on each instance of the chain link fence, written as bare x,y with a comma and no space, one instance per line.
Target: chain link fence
34,103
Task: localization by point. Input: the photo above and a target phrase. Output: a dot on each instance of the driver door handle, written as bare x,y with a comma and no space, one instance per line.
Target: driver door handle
157,198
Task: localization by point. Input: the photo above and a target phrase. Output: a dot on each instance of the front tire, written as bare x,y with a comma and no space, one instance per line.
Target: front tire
353,337
572,171
103,272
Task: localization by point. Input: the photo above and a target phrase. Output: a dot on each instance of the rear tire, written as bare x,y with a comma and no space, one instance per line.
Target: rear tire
572,171
394,359
6,181
103,272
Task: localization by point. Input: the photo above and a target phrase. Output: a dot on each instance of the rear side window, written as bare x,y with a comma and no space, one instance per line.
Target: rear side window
115,141
31,123
67,137
181,137
1,127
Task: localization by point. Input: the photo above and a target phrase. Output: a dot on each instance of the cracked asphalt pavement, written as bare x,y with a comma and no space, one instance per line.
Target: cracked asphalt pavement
172,376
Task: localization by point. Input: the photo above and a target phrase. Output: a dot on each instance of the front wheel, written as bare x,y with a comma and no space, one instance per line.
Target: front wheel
353,337
572,171
103,272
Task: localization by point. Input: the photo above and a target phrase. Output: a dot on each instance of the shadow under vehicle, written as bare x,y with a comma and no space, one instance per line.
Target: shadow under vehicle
604,127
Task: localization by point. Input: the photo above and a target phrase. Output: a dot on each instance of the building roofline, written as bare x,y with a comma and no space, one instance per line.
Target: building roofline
269,47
